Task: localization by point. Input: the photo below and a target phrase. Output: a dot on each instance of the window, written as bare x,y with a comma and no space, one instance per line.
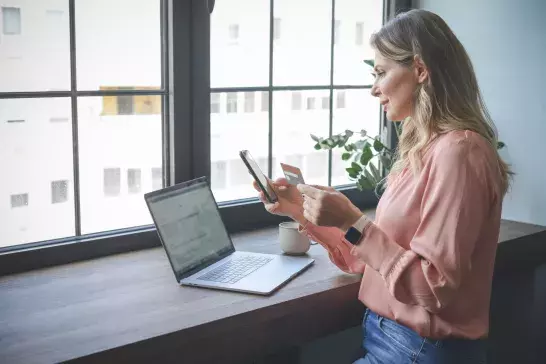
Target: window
359,34
112,181
265,101
310,103
19,200
231,105
157,179
215,103
277,28
340,100
58,120
325,102
133,180
11,20
249,101
234,33
59,191
296,100
127,116
337,30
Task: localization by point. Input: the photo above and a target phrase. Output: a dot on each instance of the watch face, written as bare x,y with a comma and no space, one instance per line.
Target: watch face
353,235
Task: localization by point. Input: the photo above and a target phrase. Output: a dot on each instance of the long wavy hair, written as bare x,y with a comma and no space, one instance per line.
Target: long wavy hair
449,100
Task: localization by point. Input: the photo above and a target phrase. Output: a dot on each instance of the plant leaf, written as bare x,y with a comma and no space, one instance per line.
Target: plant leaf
375,172
315,138
352,173
356,167
385,160
349,133
363,133
317,146
367,155
371,178
361,144
365,183
378,146
346,156
350,147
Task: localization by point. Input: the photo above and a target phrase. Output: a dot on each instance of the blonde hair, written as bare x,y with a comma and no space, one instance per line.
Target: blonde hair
449,100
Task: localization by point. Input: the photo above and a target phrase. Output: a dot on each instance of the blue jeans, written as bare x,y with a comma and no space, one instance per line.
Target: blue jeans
388,342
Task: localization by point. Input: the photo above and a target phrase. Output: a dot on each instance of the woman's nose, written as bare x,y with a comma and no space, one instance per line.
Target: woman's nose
375,90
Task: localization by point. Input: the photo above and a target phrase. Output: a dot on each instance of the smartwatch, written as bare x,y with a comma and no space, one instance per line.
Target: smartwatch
353,235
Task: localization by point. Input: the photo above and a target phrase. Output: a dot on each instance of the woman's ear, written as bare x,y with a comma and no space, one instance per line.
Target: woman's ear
420,69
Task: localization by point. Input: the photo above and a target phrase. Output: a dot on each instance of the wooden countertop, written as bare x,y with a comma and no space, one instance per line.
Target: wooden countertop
129,307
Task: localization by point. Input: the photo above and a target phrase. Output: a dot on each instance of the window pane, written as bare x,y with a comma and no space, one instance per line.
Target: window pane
34,155
120,159
361,112
34,46
118,43
302,54
239,43
230,133
358,20
292,143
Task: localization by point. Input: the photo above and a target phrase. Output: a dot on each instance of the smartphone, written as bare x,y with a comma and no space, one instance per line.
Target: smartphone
258,175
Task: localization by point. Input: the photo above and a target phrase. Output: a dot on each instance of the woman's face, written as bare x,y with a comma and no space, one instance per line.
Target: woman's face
395,86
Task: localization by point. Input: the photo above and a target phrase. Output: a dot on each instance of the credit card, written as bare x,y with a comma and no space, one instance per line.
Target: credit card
293,174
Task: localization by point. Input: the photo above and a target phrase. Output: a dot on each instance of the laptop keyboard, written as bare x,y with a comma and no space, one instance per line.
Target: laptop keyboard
235,269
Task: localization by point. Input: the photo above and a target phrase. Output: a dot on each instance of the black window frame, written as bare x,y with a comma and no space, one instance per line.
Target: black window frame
185,93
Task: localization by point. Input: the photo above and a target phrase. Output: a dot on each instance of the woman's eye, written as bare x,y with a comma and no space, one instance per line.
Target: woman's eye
377,74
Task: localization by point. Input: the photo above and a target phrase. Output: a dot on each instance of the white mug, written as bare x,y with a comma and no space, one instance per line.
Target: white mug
291,240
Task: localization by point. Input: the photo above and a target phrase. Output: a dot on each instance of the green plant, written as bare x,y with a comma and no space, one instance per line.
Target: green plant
370,159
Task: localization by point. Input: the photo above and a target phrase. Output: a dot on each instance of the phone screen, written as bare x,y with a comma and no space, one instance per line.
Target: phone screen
258,175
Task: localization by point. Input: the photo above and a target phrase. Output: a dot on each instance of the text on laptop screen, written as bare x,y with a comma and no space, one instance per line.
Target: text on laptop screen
190,226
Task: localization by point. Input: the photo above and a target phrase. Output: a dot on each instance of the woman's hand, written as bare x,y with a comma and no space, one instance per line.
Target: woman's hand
290,200
324,206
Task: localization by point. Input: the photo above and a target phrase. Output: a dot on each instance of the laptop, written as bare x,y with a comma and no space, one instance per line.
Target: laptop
200,249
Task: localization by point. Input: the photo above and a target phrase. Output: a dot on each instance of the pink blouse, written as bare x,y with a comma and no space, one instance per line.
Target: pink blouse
427,259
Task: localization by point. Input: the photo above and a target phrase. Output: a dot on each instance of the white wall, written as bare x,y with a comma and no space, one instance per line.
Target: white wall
507,44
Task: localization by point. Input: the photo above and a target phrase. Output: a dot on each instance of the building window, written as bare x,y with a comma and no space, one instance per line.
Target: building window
157,178
296,100
337,30
310,103
59,191
265,101
215,103
16,121
19,200
234,33
231,103
112,181
340,97
249,101
130,104
325,102
359,35
58,120
277,28
133,180
11,20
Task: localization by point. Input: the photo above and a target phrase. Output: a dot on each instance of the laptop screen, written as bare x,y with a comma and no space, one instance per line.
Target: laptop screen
190,226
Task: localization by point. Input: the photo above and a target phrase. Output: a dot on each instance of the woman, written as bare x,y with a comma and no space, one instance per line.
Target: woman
427,259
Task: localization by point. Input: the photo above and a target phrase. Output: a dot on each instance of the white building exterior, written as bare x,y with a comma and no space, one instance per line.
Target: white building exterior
118,45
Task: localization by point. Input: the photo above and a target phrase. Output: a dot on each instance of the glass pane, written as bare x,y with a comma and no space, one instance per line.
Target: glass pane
37,191
120,160
34,46
118,44
356,21
239,43
292,127
235,127
359,110
302,45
